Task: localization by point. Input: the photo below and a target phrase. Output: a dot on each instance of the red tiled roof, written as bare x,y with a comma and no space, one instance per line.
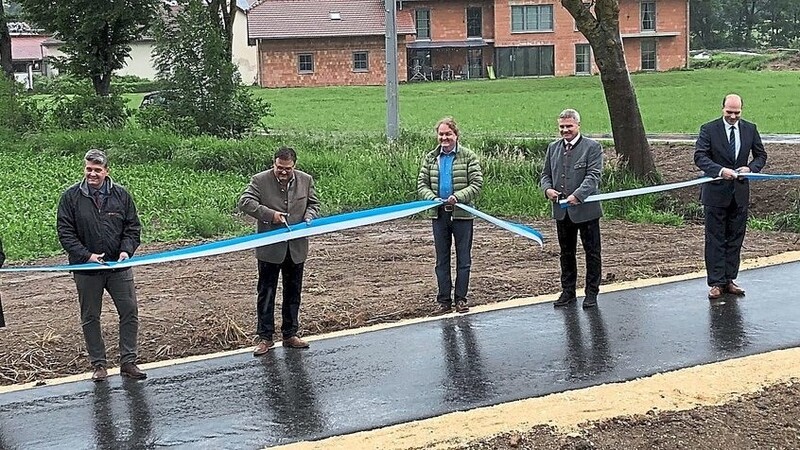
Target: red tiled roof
281,19
25,48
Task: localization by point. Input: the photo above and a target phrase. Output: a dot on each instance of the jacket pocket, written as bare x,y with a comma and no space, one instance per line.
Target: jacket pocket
580,165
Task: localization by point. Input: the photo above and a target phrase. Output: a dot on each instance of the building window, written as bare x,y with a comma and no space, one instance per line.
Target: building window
423,23
531,18
474,22
525,61
583,59
648,54
360,62
648,13
305,63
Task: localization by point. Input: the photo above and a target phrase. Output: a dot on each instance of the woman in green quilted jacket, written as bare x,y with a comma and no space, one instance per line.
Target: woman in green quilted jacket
451,173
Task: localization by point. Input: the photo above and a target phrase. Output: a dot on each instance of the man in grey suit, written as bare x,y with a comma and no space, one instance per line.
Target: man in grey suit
280,197
572,169
723,149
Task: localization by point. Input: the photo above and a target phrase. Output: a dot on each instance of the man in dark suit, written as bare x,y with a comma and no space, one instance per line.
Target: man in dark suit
723,149
280,197
572,169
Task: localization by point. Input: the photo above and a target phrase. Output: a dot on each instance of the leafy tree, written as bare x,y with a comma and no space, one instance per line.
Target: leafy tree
203,94
708,28
97,34
225,10
5,44
601,29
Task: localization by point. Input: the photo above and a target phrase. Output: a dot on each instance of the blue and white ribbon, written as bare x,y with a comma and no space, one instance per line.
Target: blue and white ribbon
770,176
316,227
640,191
519,229
668,187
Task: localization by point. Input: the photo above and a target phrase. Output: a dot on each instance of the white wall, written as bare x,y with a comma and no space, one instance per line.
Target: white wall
140,61
244,56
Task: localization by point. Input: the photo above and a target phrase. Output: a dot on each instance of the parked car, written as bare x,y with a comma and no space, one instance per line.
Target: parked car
158,98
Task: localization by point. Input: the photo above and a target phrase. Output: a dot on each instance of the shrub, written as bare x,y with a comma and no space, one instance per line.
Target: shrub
89,111
19,112
203,90
67,84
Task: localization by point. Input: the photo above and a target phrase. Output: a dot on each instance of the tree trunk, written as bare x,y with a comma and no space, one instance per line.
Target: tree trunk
602,31
5,45
627,127
102,84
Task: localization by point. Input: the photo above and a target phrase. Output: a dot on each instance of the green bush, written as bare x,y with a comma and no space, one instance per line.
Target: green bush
19,112
733,61
66,84
85,111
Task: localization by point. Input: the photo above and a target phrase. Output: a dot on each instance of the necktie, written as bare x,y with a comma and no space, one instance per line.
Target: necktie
732,142
97,200
567,148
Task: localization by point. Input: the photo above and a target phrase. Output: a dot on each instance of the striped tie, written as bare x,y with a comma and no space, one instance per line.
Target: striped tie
732,143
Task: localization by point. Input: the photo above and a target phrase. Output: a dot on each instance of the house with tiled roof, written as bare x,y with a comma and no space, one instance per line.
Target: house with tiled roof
337,42
323,42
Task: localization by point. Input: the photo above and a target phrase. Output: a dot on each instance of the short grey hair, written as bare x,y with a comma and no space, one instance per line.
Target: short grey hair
570,114
96,156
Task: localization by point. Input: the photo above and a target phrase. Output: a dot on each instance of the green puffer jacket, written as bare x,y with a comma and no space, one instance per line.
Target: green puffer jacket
467,179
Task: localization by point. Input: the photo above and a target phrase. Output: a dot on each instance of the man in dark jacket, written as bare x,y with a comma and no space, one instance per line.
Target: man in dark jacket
727,147
97,221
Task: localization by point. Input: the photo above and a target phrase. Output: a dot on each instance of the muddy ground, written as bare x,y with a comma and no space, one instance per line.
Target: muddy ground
384,273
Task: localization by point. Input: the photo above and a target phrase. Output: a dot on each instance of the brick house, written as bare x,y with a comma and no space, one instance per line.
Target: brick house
317,42
323,42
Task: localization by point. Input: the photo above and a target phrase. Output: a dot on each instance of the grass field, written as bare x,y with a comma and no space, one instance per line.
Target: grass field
671,102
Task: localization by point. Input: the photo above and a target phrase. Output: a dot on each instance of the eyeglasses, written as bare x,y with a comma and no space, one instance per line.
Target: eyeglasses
284,169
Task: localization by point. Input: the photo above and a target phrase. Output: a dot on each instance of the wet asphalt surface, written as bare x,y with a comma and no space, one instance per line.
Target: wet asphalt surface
346,384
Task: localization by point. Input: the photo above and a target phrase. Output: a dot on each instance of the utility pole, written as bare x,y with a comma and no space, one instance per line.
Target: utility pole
392,110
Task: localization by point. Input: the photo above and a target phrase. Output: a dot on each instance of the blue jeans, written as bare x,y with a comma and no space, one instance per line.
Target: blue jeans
444,230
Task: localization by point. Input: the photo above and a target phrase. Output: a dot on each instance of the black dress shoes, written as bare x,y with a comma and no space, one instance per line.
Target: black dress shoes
589,302
565,299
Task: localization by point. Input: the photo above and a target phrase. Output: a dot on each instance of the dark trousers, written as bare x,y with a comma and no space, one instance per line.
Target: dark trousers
120,286
2,318
568,241
267,286
445,230
725,229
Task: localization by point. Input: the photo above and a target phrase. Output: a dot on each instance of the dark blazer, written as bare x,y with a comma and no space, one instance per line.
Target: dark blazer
711,154
578,174
264,196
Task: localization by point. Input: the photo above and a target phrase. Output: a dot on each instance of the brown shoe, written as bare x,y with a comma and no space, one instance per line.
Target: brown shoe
714,293
132,371
262,348
733,288
442,309
100,374
461,307
295,342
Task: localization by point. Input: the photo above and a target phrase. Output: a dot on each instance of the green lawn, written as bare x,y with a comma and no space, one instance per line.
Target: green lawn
670,102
